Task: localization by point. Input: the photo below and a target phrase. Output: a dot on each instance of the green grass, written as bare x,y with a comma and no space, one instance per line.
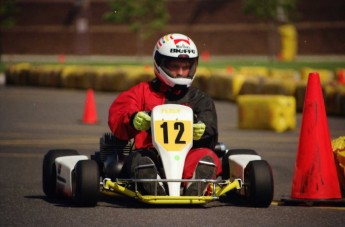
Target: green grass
220,62
318,64
2,67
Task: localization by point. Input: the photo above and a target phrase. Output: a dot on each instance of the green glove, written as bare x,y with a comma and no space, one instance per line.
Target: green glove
198,130
142,121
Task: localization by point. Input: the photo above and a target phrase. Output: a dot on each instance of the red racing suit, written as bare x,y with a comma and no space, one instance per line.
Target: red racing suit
144,97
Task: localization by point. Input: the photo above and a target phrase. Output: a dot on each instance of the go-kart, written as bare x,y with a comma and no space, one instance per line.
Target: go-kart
245,174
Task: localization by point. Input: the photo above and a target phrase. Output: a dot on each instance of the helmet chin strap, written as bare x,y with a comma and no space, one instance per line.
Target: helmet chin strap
176,92
179,87
163,87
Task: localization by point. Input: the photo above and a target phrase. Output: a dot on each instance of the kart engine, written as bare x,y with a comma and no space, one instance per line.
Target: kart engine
112,155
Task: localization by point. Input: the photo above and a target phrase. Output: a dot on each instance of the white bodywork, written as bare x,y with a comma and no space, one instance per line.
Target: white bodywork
238,162
166,126
64,168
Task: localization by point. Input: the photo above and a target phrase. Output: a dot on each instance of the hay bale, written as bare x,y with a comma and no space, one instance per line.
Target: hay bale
274,112
285,74
326,75
340,100
47,75
300,94
338,147
18,74
278,87
108,78
218,86
77,77
330,98
252,85
225,87
201,78
254,71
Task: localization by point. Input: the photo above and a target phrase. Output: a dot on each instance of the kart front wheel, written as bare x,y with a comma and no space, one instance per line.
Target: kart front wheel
258,180
49,170
86,183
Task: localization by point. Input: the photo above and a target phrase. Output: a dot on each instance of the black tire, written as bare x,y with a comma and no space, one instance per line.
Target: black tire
86,183
259,186
225,162
49,170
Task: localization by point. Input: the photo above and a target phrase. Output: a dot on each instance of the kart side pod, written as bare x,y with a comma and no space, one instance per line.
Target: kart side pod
64,171
238,162
237,165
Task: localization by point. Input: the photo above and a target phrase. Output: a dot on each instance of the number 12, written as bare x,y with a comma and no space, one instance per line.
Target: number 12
177,126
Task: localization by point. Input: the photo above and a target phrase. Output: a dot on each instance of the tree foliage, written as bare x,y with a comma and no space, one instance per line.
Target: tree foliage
143,17
8,11
272,10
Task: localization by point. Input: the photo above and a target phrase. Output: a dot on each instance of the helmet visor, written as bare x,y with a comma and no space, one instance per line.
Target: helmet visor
179,67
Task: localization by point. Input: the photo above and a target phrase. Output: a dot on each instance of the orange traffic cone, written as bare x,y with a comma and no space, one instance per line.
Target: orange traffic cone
205,56
315,178
90,113
341,76
61,58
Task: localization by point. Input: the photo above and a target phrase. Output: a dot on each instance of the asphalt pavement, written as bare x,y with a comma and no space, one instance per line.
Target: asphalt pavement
34,120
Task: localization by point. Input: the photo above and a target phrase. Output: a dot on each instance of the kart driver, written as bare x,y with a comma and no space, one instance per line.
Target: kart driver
175,62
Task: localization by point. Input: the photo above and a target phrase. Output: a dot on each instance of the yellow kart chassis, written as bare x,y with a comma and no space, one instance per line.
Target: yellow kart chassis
218,188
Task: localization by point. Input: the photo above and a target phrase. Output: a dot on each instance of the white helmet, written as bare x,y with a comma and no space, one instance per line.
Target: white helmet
174,46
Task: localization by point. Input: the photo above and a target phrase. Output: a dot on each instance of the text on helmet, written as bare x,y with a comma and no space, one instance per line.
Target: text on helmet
182,51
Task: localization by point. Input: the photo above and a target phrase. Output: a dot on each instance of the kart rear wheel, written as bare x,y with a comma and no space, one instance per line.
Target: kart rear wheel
225,160
258,180
49,170
86,183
